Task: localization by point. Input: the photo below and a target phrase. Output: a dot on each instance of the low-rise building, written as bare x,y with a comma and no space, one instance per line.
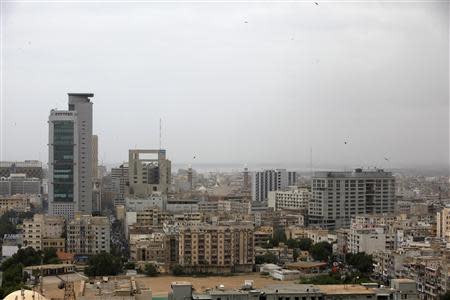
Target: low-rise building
44,232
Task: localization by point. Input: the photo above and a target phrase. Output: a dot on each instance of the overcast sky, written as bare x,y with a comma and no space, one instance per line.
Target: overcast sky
234,82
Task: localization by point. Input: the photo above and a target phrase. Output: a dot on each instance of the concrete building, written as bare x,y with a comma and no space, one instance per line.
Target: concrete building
95,157
44,232
338,196
18,203
119,178
88,235
367,240
443,224
11,243
18,183
32,168
70,157
149,172
295,198
156,199
270,180
216,248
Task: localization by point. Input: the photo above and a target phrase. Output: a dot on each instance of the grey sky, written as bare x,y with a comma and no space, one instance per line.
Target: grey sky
236,82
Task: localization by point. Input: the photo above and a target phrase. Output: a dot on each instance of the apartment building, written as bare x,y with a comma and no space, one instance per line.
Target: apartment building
88,235
216,248
339,196
44,232
119,182
19,203
295,199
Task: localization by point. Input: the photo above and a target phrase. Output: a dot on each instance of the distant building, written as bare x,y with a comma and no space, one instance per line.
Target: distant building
44,232
119,178
149,171
70,157
270,180
18,203
443,224
216,248
11,244
339,196
139,204
19,184
88,235
32,168
296,198
95,157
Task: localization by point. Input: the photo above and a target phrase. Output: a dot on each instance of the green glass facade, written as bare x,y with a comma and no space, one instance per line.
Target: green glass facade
63,161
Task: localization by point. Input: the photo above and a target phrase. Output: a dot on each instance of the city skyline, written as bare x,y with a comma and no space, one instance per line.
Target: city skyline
256,85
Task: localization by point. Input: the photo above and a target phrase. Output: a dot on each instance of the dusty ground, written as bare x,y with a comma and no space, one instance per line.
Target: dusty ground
160,285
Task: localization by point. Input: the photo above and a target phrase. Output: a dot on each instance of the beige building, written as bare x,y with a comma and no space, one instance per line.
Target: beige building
443,224
44,232
88,235
216,248
297,198
148,171
19,203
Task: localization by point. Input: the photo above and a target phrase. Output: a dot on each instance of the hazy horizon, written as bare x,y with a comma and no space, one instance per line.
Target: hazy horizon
362,84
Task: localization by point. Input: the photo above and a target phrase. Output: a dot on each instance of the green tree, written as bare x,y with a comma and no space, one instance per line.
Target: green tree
305,244
292,244
267,258
279,236
177,270
130,265
151,270
360,261
295,254
321,251
103,264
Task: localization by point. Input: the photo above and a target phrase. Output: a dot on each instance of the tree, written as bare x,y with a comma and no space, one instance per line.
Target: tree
360,261
445,296
321,251
279,236
292,244
295,254
130,265
305,244
267,258
151,270
177,270
103,264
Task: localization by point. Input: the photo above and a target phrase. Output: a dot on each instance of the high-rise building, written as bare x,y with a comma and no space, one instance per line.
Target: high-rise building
149,171
119,182
338,196
95,157
70,157
270,180
88,235
190,178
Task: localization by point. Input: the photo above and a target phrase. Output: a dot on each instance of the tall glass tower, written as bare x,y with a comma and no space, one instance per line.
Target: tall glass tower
70,146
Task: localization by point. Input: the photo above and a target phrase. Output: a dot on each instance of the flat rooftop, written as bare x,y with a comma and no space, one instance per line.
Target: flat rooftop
81,94
357,173
345,289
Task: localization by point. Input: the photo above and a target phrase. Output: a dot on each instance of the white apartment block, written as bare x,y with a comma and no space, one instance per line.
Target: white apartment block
295,198
88,235
270,180
338,196
369,240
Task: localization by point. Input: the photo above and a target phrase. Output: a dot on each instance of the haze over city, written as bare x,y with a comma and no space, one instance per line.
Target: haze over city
362,84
